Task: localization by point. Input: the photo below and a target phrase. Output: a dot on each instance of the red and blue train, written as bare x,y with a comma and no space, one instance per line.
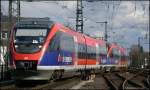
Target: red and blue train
41,49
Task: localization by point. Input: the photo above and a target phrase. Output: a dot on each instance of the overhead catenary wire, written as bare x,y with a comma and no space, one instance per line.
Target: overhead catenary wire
113,14
44,11
135,8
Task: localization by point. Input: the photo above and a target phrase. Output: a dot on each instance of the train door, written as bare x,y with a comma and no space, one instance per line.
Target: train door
97,55
51,55
66,49
60,50
115,56
103,55
75,51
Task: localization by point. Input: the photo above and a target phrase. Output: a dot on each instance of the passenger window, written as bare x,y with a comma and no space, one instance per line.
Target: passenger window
66,42
103,50
81,51
91,52
54,42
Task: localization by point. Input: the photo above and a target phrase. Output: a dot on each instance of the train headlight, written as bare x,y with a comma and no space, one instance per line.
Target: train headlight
40,46
15,41
16,46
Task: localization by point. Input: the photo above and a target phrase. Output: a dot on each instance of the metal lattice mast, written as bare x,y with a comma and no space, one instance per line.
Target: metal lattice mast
79,17
0,23
106,36
14,10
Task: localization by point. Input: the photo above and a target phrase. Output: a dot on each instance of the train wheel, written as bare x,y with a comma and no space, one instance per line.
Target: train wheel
57,75
53,76
82,74
105,70
60,74
85,75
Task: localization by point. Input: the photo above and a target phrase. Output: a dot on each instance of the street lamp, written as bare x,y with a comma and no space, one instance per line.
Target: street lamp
140,50
139,41
145,63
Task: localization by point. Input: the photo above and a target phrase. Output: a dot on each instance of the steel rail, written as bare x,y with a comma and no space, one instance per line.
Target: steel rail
129,80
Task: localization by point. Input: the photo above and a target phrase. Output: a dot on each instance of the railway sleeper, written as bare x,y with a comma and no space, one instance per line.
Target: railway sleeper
110,83
147,82
135,84
120,76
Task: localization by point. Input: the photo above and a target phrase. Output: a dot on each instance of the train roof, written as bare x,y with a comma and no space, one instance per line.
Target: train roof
114,45
118,47
122,50
34,22
80,37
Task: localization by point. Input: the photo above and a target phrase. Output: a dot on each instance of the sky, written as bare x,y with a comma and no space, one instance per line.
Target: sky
127,20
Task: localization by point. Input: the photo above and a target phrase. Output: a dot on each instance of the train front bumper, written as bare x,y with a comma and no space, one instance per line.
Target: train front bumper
32,74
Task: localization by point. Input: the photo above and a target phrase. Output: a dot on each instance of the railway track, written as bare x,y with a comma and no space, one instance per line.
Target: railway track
117,81
145,73
147,81
132,82
113,80
65,83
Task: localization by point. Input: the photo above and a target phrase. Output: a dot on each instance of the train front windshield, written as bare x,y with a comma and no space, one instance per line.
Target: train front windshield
29,40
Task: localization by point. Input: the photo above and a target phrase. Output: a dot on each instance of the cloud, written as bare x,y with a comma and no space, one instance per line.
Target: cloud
127,20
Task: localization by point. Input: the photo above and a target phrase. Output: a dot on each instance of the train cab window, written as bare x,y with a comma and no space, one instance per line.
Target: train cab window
116,53
29,40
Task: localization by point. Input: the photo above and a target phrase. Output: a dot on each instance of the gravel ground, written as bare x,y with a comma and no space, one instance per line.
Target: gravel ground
68,84
99,83
76,83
